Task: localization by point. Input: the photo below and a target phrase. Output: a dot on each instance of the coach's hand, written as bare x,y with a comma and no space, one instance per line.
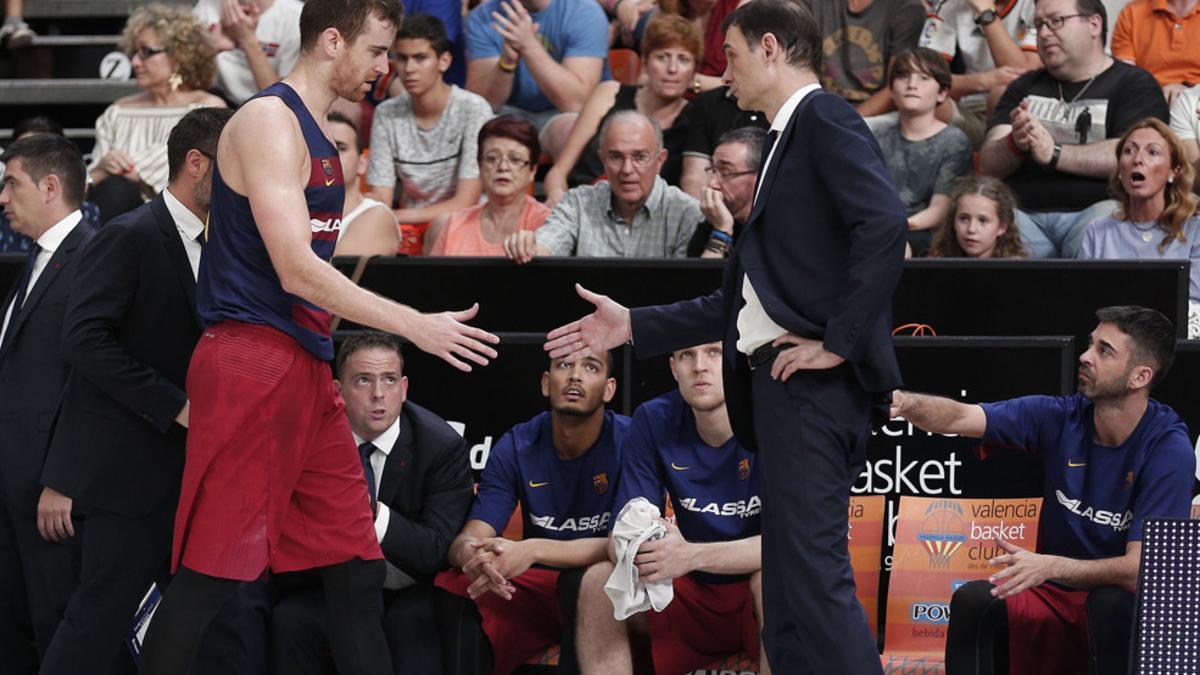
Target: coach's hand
446,336
667,558
805,354
54,516
1025,570
607,327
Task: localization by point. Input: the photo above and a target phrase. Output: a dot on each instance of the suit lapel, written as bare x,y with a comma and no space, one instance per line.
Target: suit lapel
768,179
175,252
397,461
55,265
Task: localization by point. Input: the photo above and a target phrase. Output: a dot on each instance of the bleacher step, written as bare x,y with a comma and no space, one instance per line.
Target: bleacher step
63,91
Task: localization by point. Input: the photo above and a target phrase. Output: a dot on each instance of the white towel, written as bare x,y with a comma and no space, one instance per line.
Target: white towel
637,523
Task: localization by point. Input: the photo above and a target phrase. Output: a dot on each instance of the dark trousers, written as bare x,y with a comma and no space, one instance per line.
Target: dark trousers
812,432
299,645
36,581
977,639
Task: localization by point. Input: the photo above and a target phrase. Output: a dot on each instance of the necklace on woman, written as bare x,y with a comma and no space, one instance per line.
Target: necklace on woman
1147,232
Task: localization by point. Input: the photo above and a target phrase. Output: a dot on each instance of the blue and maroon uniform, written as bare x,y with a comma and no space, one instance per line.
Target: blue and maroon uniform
561,499
272,476
715,495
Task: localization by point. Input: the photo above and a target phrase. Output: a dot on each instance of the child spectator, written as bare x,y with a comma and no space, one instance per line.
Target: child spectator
982,222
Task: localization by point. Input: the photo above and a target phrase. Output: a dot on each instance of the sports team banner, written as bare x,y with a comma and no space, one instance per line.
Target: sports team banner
942,544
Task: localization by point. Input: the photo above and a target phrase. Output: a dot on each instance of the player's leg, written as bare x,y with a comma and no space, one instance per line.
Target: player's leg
764,668
187,607
603,642
353,616
466,649
976,638
1110,616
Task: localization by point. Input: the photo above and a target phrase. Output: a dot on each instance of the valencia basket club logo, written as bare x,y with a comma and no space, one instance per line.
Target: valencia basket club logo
942,532
744,468
600,482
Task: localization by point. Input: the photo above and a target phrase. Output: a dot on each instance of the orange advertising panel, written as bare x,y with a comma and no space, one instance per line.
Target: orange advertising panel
866,544
942,544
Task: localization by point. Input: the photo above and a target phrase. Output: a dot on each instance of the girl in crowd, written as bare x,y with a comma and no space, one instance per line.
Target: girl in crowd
375,231
508,152
982,222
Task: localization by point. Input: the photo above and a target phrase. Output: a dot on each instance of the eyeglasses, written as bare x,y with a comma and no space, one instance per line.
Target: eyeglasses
725,176
640,159
493,161
1054,23
145,52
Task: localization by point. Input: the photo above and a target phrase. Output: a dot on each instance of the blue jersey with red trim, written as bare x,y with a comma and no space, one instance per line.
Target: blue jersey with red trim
237,281
561,499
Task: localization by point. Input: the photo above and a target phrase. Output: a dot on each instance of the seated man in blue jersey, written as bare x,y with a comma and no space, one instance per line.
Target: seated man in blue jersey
502,606
681,444
1113,457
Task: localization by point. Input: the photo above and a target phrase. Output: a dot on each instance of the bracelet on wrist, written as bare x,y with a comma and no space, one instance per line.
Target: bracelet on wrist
721,236
506,67
1053,163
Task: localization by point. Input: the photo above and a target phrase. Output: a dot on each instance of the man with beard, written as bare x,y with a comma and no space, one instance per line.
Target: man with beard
1113,457
562,467
272,478
682,444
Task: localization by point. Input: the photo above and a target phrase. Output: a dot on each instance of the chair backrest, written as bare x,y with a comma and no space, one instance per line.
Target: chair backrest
1168,624
625,64
866,545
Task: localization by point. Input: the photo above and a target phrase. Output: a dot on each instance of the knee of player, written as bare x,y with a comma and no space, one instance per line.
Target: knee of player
592,585
1109,603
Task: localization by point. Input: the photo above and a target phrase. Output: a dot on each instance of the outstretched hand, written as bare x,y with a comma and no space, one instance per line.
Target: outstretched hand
1025,569
600,331
446,336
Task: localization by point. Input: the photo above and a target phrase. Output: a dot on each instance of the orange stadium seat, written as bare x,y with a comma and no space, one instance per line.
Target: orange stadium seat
625,64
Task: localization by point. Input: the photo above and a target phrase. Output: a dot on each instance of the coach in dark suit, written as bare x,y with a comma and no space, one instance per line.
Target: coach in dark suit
805,314
43,189
116,458
419,480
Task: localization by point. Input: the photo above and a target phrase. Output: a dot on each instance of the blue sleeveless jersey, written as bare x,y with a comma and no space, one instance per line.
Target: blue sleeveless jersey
237,281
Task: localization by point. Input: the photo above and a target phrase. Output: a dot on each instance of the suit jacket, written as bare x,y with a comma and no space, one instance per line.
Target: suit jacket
427,484
33,373
130,329
824,249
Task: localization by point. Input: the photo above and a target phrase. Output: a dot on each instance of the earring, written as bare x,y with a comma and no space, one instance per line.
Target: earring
176,81
1170,180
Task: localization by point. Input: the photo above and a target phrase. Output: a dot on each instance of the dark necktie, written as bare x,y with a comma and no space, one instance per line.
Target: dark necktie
201,239
22,291
365,451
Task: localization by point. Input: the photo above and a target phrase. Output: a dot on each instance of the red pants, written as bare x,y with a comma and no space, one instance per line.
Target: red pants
1047,631
704,623
273,477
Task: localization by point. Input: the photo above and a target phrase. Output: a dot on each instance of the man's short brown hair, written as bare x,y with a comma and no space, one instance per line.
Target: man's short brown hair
349,17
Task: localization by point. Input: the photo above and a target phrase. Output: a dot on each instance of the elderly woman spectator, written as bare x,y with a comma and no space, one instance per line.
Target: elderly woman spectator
173,64
982,222
1157,218
508,152
671,51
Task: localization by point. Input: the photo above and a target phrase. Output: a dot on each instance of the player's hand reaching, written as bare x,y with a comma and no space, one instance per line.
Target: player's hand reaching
446,336
600,331
1025,570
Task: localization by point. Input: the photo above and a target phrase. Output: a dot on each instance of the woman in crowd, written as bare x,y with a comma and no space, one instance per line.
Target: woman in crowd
982,222
368,225
633,17
1157,219
671,50
508,152
173,64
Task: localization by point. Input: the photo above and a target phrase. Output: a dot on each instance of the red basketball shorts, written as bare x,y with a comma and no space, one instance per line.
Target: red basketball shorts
1047,631
704,623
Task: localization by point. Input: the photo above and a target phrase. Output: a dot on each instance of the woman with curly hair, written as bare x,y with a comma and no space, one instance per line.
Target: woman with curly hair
173,63
982,222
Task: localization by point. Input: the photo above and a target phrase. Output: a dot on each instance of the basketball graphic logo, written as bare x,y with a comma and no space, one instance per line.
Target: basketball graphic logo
942,532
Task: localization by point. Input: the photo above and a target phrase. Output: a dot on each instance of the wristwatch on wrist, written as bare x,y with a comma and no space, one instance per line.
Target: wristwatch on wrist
985,17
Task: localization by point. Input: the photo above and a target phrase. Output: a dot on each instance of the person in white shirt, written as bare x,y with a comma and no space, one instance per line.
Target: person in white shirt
375,228
258,42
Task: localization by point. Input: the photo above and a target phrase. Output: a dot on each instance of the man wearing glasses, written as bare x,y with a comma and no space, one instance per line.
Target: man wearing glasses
633,214
1054,133
728,193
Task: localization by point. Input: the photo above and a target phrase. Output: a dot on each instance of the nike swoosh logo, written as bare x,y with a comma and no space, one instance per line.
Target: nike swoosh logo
538,485
329,182
679,468
1075,464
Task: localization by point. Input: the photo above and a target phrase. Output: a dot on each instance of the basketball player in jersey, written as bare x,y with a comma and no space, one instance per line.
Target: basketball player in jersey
273,479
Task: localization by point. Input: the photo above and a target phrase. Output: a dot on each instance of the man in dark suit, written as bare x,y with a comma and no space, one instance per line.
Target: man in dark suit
419,480
116,458
43,188
805,313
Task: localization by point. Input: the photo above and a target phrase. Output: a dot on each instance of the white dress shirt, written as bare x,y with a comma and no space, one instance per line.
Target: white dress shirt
49,242
189,226
755,327
395,579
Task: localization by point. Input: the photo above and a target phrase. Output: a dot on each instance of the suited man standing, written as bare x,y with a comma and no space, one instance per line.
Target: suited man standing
805,314
42,191
116,457
419,481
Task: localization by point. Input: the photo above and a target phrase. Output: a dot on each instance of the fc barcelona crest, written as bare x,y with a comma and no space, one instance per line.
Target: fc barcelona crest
600,482
327,166
743,468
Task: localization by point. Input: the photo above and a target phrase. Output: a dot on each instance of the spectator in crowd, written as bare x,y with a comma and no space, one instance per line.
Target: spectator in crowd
670,52
633,214
729,194
1161,36
709,117
981,222
258,42
539,59
375,229
996,44
1054,131
173,64
681,444
1185,123
1157,218
116,456
924,154
420,485
633,17
860,39
14,32
450,13
508,151
43,187
1109,449
425,139
503,603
